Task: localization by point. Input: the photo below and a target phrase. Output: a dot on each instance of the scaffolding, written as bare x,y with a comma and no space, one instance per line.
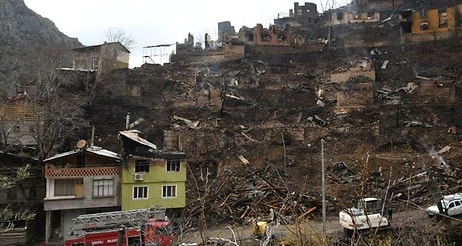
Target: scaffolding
157,54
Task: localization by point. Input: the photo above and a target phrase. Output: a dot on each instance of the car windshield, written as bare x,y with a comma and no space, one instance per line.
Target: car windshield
445,203
355,211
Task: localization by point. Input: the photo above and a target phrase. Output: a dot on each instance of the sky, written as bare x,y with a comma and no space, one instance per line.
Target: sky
155,22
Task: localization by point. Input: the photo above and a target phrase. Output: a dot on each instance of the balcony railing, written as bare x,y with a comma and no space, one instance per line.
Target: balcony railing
81,172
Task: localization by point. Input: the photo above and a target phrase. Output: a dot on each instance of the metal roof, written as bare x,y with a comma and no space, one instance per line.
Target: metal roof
134,135
92,149
98,46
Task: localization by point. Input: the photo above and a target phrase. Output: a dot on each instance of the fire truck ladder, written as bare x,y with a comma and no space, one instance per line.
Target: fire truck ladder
117,218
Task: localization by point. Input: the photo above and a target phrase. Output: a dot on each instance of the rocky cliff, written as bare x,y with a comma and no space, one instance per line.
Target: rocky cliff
24,36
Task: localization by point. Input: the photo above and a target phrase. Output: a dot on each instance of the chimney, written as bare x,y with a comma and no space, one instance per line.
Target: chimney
127,121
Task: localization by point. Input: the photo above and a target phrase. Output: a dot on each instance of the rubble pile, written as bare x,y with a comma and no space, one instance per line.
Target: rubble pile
252,128
245,196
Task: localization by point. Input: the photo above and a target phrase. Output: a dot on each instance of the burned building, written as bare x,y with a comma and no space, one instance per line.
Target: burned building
417,25
225,31
271,36
300,16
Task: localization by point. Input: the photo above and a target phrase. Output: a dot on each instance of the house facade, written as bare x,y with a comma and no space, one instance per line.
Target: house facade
81,181
151,177
418,25
102,58
344,16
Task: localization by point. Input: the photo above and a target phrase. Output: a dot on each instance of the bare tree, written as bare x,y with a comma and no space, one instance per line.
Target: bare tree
10,214
115,34
57,99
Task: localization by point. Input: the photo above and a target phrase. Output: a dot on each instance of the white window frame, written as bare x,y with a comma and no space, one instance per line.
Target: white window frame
172,164
164,191
103,188
71,183
135,192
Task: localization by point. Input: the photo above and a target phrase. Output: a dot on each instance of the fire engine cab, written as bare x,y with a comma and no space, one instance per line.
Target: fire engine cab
121,228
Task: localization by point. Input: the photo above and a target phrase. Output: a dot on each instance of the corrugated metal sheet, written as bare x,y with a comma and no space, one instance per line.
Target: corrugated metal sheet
92,149
134,135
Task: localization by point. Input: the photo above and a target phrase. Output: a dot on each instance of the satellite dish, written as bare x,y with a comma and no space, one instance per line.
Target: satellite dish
81,144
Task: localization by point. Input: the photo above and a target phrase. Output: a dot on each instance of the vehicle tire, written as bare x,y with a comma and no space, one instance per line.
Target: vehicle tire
348,232
134,241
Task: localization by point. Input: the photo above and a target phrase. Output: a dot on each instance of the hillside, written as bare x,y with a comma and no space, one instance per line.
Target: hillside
260,145
257,130
25,36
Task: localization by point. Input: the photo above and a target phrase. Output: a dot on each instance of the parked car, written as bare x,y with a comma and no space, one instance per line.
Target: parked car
452,204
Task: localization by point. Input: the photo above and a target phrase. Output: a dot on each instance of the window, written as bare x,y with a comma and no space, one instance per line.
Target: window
134,91
173,166
80,63
424,26
370,15
95,63
168,191
141,166
66,187
443,19
103,188
140,192
423,13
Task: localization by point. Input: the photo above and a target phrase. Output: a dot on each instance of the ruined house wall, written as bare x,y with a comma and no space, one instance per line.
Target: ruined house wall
22,112
269,50
353,18
309,10
352,42
431,29
435,92
232,52
122,60
202,56
355,95
432,21
300,15
87,60
458,9
425,37
271,36
380,4
355,72
113,57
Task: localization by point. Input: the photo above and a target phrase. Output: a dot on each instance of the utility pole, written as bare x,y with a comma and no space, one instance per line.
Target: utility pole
323,190
330,8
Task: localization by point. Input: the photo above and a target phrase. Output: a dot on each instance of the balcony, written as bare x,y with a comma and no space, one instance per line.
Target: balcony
81,172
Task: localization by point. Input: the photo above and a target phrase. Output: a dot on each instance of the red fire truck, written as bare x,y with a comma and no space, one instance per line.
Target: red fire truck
121,228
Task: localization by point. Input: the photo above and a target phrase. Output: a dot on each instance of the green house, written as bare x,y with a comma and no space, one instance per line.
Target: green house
151,177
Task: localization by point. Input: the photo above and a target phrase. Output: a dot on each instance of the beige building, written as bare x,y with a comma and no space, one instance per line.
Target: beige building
101,58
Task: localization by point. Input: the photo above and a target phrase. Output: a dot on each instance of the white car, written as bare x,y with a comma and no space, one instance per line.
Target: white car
452,204
362,217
